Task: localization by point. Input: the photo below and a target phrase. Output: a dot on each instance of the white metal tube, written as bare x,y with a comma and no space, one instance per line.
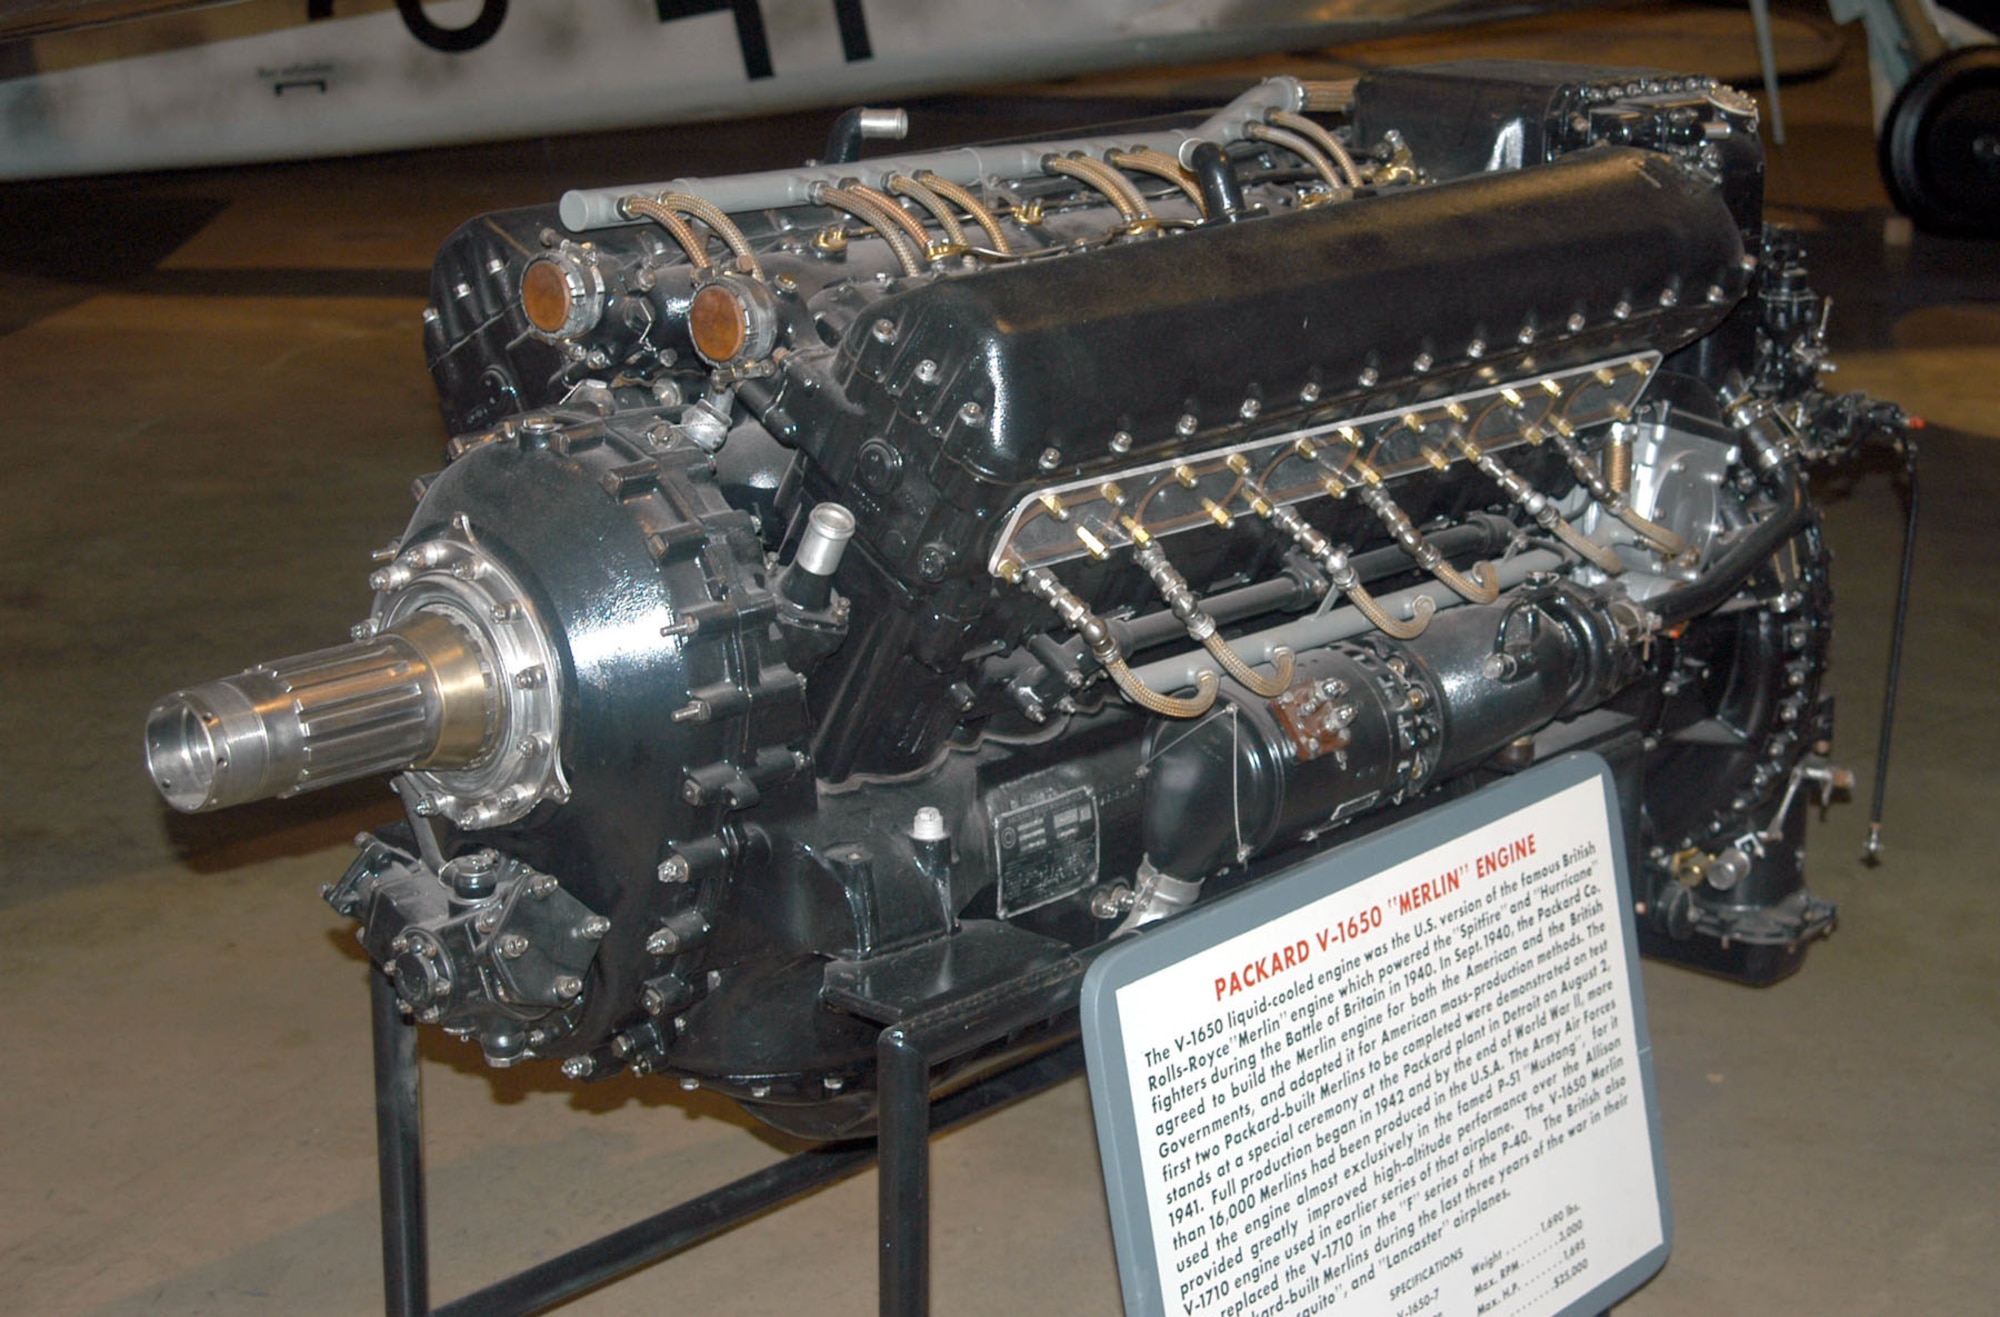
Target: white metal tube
598,208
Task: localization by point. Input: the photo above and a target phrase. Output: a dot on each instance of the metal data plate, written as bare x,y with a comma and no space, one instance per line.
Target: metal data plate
1093,517
1411,1075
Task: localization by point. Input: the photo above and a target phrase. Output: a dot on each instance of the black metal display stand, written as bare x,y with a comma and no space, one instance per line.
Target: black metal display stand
905,1052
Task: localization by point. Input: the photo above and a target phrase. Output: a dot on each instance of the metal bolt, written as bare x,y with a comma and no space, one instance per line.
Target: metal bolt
513,946
1110,902
1476,348
1186,425
663,942
653,1001
486,921
1248,411
927,371
689,1083
594,928
972,414
883,330
675,869
568,986
760,1090
542,886
579,1067
1050,459
1121,442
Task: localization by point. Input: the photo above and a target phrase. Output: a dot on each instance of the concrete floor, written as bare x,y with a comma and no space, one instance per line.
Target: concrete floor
214,398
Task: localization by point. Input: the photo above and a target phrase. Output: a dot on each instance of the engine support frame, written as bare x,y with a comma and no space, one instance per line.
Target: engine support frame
905,1051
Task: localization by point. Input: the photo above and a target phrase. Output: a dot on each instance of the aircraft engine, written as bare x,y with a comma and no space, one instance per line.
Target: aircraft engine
866,587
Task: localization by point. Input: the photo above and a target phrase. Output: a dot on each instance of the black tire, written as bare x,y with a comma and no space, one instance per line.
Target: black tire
1940,145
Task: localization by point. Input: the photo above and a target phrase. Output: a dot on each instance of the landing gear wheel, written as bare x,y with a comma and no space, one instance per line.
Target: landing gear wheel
1940,147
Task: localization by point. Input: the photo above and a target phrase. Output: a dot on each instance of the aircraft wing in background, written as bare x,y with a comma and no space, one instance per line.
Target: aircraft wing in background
275,79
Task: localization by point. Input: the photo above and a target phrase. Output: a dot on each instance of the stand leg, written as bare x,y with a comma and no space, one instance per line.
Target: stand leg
1767,60
399,1133
903,1150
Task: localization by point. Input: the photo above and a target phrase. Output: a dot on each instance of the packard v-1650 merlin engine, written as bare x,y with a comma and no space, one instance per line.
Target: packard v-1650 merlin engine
870,586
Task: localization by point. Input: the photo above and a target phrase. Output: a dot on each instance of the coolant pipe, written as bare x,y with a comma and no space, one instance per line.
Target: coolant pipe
902,185
1300,147
1332,559
1613,501
1113,185
684,203
1725,576
1479,534
1477,587
809,580
597,208
1221,190
1163,166
1538,505
1327,142
1043,585
843,140
1340,624
966,200
681,231
892,228
1201,627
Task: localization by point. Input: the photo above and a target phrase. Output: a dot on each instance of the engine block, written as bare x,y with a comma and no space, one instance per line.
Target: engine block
868,587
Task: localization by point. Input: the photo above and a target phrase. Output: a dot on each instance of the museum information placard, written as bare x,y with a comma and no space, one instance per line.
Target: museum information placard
1409,1077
